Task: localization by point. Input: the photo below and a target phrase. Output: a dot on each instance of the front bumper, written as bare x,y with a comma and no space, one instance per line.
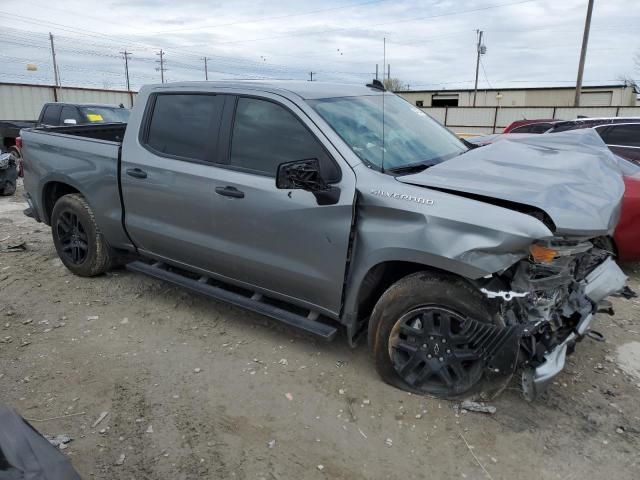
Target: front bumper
604,280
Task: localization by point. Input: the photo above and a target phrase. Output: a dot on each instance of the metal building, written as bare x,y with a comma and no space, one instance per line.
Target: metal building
24,102
622,95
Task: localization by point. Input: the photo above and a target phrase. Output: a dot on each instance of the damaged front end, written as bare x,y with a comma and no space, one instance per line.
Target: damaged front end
548,301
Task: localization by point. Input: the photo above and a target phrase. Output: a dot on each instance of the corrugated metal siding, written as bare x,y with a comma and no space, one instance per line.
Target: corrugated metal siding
508,115
20,103
472,117
24,102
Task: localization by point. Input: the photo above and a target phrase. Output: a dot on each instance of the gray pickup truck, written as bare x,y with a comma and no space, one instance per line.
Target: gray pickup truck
323,205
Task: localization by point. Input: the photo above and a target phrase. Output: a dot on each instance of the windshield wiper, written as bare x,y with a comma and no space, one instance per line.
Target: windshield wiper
413,168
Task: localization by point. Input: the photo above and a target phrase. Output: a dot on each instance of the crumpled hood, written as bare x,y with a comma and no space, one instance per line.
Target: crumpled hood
572,176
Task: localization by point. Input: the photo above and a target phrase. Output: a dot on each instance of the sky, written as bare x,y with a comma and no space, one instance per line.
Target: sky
430,44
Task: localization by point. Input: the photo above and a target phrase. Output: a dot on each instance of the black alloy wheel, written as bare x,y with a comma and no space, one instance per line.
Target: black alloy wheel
73,237
431,353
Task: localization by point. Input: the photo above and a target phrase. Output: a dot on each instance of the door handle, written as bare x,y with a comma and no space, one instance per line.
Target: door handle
136,172
229,192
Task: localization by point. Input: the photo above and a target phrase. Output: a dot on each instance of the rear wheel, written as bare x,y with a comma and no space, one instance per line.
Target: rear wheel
78,241
419,335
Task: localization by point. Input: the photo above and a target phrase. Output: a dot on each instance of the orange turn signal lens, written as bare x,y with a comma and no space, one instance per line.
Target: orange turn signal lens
542,254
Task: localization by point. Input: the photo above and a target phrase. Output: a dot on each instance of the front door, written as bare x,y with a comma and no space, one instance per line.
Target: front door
281,241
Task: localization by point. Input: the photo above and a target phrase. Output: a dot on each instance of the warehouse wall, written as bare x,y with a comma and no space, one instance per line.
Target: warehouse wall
482,120
24,102
559,97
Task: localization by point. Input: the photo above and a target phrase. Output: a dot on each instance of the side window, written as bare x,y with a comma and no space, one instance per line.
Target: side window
266,134
540,127
70,113
522,129
184,125
625,135
51,115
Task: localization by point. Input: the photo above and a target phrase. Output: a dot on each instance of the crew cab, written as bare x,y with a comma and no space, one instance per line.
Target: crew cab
328,206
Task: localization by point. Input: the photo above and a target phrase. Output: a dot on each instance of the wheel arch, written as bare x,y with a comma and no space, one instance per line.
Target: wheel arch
365,290
52,191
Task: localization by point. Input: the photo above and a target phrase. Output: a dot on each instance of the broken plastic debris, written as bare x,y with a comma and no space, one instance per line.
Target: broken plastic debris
102,416
477,407
289,396
150,429
197,370
283,361
58,440
120,460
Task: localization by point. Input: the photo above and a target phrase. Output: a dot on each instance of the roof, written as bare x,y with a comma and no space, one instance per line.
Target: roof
305,89
455,90
81,104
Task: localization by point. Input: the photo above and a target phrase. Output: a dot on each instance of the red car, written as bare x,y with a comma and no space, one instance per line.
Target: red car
627,235
530,126
626,238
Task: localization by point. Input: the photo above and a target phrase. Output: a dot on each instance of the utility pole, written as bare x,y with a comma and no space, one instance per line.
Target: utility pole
125,55
56,74
479,48
206,71
311,74
389,72
161,62
583,53
376,71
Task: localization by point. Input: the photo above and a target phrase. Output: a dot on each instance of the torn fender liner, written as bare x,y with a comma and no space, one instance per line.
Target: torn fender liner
571,176
27,455
498,347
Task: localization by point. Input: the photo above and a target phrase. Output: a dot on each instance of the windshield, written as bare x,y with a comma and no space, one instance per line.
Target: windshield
105,114
411,137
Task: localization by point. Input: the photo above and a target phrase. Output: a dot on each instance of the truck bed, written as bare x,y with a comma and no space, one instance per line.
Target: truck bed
85,157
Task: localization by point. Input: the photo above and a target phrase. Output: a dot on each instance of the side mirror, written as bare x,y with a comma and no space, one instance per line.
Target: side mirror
300,174
70,121
306,175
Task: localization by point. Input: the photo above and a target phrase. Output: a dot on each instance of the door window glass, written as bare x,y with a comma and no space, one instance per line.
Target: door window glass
266,134
182,125
626,135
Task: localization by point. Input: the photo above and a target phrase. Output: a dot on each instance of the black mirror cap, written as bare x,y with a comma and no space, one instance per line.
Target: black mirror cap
300,174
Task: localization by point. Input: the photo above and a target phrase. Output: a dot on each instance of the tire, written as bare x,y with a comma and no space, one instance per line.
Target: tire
8,189
77,238
425,303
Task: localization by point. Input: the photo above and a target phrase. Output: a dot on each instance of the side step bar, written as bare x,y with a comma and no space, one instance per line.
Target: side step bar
253,303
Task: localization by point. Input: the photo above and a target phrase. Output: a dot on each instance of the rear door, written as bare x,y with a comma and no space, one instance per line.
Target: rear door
167,177
622,139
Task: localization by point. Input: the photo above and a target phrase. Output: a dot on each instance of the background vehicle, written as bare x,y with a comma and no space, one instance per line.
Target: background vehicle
291,200
56,114
622,135
529,126
59,113
8,174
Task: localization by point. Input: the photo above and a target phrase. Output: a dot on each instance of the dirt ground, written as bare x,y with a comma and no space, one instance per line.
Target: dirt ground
197,389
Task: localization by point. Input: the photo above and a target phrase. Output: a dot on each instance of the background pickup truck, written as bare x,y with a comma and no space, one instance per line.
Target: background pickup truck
290,199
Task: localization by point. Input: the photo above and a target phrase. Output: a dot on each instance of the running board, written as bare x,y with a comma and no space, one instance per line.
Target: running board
254,303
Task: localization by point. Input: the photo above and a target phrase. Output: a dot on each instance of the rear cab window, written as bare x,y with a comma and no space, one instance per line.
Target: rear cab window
184,126
51,115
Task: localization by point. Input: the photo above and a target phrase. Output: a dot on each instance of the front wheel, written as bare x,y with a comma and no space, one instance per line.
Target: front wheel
421,338
77,238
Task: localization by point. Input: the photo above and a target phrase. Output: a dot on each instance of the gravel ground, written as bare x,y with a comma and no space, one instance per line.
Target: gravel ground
198,389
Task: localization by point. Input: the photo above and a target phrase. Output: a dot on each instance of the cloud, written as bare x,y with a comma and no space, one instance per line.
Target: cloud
429,44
